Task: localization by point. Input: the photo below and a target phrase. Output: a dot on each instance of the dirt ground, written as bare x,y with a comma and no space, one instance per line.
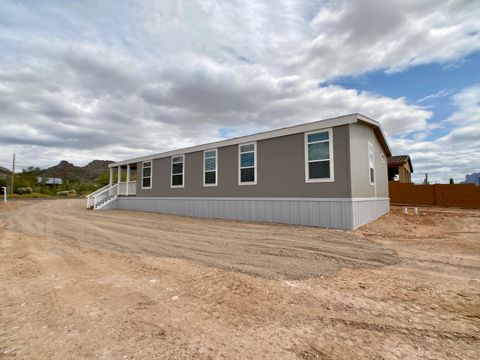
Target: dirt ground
82,284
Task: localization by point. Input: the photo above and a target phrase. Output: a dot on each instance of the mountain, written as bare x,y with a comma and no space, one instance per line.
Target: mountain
85,174
472,179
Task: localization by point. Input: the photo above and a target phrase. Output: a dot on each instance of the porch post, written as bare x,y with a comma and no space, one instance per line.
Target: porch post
119,176
110,181
128,179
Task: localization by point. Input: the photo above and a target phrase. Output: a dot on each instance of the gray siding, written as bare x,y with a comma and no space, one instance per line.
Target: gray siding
360,135
280,172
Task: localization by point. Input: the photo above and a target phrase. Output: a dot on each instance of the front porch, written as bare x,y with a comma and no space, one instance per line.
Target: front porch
126,179
122,182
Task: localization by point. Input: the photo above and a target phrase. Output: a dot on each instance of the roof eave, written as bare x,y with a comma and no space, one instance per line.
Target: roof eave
311,126
380,134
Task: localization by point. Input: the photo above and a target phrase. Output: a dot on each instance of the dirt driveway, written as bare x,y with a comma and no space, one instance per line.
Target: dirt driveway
80,284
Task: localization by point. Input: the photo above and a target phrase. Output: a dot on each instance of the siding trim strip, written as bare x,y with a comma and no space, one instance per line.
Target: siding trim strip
262,198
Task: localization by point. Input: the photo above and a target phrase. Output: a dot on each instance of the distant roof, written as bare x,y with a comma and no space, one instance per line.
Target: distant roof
399,160
315,125
49,180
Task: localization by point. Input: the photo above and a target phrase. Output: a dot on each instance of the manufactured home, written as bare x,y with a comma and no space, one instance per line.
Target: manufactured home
330,173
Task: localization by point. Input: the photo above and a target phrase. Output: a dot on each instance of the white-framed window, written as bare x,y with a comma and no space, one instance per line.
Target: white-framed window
319,156
147,174
210,167
178,171
247,161
371,164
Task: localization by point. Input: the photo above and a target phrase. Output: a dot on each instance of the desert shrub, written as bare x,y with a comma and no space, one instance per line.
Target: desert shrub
24,190
28,196
66,193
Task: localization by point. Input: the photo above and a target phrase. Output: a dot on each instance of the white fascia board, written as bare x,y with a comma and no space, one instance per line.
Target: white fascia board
316,125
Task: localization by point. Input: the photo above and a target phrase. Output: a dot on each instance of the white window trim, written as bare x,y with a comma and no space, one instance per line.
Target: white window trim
370,145
254,165
183,172
216,168
151,175
331,157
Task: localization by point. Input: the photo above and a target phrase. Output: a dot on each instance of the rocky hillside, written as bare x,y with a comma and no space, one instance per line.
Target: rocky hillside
68,171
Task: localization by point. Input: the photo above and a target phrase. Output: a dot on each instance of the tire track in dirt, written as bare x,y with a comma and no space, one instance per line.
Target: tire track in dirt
108,286
72,267
270,250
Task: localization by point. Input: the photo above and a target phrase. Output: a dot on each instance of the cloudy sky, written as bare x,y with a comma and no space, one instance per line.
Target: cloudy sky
113,80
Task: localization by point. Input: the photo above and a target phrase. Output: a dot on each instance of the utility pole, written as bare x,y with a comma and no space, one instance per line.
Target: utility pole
13,175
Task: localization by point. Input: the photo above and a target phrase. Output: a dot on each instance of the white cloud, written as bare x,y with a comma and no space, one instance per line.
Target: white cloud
161,75
354,37
454,154
468,104
439,94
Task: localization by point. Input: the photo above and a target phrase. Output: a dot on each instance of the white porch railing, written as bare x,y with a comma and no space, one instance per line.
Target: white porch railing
91,196
129,188
104,195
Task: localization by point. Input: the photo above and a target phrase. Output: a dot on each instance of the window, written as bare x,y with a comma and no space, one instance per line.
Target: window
210,167
319,156
147,175
177,170
371,164
247,154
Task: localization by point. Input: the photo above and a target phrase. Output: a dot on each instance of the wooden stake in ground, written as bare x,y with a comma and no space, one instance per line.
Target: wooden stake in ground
13,175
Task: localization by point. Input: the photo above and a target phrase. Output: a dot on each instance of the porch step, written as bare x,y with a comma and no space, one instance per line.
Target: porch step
100,198
101,203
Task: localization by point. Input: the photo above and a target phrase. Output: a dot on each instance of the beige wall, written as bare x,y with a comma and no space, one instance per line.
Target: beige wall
280,172
404,173
381,170
360,135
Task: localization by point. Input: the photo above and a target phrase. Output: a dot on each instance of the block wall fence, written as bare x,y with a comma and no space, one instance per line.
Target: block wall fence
455,195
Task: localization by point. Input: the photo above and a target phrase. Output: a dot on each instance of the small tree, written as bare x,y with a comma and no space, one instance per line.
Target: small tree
103,179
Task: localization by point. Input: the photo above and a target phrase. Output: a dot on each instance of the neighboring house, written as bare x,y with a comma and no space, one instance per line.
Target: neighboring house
330,173
400,168
49,180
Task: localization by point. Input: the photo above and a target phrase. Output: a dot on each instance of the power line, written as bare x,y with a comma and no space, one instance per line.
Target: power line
24,163
17,164
22,158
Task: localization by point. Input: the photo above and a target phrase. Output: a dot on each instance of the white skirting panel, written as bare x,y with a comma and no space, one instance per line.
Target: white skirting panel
368,210
331,213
